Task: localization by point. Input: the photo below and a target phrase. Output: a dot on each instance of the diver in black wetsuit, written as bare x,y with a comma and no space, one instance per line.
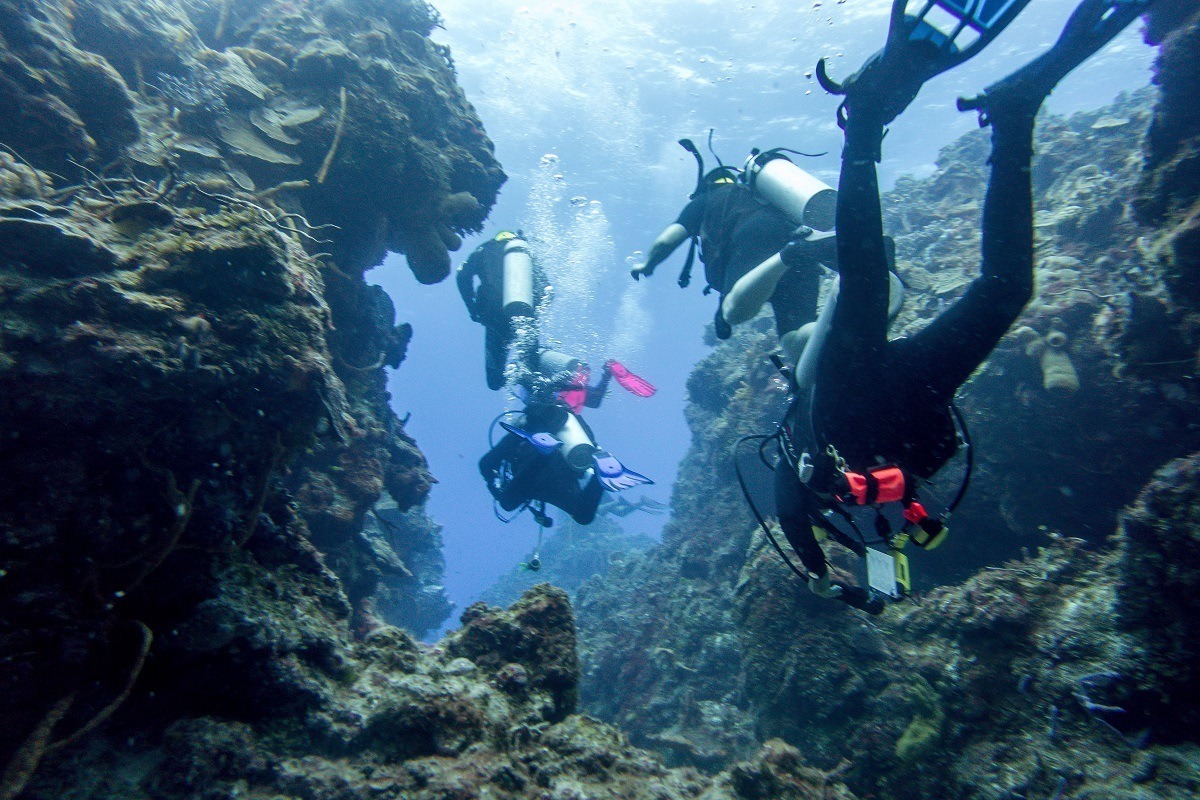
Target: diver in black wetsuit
737,232
516,473
550,456
878,402
480,281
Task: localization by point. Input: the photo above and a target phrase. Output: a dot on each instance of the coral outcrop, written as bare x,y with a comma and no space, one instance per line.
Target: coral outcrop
195,422
485,713
1168,195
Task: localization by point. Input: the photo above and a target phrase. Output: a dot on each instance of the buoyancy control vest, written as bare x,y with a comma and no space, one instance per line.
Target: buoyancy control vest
774,180
834,488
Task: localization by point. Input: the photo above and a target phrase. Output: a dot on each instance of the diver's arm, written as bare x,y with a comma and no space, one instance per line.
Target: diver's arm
465,278
595,394
673,236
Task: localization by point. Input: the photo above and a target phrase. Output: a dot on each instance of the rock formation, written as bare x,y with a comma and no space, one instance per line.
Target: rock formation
194,412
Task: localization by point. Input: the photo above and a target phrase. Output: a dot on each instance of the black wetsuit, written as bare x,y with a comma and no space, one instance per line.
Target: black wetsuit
880,401
485,303
737,233
516,473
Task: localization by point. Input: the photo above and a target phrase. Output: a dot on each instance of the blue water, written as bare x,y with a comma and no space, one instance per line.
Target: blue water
605,88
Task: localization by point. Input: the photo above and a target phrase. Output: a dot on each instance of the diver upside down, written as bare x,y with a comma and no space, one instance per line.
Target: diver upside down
874,405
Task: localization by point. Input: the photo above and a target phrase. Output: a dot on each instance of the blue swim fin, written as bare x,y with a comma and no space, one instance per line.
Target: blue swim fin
940,35
614,475
970,26
544,443
1093,24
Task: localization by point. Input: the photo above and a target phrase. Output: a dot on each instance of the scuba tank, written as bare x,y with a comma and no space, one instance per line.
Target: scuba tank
518,279
552,362
577,447
804,199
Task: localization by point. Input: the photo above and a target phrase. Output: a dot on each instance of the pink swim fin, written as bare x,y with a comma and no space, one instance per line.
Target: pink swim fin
575,395
633,384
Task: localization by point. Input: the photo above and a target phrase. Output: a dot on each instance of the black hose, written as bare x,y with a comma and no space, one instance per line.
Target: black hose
966,481
737,468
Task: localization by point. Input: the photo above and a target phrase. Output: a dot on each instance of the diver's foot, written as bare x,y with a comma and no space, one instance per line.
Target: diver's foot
1017,98
884,86
1091,25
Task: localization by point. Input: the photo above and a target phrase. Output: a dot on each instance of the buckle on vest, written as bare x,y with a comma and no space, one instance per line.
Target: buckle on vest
805,468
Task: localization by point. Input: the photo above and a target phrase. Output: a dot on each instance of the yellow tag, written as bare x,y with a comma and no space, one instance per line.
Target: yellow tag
504,236
902,577
723,180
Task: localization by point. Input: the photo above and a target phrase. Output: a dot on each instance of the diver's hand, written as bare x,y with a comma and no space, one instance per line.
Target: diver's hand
824,587
640,270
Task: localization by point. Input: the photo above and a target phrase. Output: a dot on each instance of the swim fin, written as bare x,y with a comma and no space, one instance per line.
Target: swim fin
1093,24
614,475
919,47
544,443
634,384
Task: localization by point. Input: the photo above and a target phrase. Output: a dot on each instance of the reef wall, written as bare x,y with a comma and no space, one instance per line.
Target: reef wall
192,395
1057,671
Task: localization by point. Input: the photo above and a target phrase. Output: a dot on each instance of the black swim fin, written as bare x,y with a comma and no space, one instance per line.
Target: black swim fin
1093,24
920,46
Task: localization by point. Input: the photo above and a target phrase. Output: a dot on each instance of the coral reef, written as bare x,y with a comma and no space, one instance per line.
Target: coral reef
408,546
482,714
1168,195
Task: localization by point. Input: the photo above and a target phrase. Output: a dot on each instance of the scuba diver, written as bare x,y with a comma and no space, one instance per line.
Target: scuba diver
500,282
742,221
548,454
871,417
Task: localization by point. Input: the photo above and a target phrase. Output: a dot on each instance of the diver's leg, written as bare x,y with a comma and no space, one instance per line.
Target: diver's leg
587,501
859,330
495,355
950,348
795,298
747,296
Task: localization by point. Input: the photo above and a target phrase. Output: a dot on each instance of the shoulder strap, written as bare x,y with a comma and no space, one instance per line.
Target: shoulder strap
685,274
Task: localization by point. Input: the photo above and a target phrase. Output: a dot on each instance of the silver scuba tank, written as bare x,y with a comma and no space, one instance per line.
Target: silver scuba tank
518,279
804,199
552,362
577,448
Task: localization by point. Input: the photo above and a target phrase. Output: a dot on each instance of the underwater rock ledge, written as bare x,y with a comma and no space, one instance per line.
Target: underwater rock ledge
484,713
192,388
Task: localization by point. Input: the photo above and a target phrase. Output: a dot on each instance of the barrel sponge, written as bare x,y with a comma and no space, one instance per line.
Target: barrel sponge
1058,373
427,255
